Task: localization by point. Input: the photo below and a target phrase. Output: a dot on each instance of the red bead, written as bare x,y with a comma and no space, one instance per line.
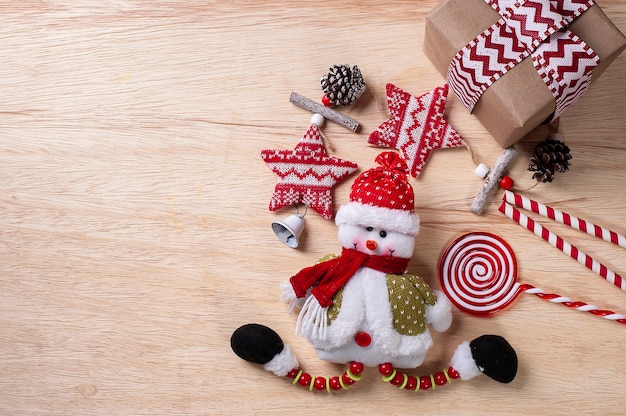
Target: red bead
453,373
347,380
440,378
385,369
326,101
507,183
425,383
334,383
319,383
356,368
305,380
398,379
362,339
411,383
293,373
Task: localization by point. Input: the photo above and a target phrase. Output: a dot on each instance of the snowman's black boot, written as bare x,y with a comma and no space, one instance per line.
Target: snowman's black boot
262,345
495,357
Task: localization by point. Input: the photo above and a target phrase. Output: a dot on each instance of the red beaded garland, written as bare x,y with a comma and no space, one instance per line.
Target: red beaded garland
334,383
293,373
394,377
453,373
347,380
305,380
326,101
398,379
411,383
440,378
319,383
356,368
407,382
385,369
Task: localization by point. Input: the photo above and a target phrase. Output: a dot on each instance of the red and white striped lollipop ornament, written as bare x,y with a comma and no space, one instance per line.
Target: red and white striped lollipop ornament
478,273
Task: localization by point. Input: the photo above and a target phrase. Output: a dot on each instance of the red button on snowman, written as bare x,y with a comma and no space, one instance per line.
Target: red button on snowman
363,307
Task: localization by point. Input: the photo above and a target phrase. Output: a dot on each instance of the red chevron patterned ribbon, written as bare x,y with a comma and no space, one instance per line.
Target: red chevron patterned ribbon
565,65
527,28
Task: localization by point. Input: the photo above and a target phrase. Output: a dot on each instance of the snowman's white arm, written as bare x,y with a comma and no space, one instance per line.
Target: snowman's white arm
288,294
439,315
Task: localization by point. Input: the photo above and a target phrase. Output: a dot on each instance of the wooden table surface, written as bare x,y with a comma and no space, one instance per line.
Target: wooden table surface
134,221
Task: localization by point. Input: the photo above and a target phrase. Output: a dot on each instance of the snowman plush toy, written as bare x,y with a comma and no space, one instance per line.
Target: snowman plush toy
364,309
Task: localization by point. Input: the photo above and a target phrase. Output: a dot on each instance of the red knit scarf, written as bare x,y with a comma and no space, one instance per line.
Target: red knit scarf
330,276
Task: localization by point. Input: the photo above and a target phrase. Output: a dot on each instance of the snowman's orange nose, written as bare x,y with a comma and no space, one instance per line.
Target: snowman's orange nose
371,244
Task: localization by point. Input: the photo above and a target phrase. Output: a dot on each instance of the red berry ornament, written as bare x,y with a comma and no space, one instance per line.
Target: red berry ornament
507,183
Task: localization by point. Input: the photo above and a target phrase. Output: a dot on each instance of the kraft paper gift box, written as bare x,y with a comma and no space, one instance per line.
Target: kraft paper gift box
518,101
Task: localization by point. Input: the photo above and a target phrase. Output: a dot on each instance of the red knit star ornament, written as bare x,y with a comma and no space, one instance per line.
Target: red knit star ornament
416,126
306,174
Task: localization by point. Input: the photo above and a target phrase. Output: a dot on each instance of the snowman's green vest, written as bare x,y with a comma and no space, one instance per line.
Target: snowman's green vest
408,294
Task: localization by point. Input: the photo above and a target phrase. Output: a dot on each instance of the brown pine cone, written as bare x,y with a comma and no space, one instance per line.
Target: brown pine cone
550,156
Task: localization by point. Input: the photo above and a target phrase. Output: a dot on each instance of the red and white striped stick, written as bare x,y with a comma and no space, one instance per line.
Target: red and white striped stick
556,241
573,304
564,218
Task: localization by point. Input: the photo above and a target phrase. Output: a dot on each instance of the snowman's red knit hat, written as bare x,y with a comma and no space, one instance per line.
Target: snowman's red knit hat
382,197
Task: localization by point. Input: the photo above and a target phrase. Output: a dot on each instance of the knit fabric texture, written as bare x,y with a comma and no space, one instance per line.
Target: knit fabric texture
416,126
328,277
385,186
306,174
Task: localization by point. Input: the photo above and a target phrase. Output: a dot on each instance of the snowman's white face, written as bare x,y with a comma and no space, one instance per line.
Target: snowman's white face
378,241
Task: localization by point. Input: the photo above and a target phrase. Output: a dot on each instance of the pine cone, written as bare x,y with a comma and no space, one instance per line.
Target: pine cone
551,156
343,86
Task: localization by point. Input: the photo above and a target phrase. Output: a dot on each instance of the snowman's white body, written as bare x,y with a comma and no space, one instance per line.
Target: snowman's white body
365,308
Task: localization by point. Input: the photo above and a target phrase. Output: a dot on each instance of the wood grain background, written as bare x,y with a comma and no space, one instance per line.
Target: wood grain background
134,229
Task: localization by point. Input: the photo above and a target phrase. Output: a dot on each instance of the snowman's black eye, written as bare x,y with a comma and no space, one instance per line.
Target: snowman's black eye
383,234
369,228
